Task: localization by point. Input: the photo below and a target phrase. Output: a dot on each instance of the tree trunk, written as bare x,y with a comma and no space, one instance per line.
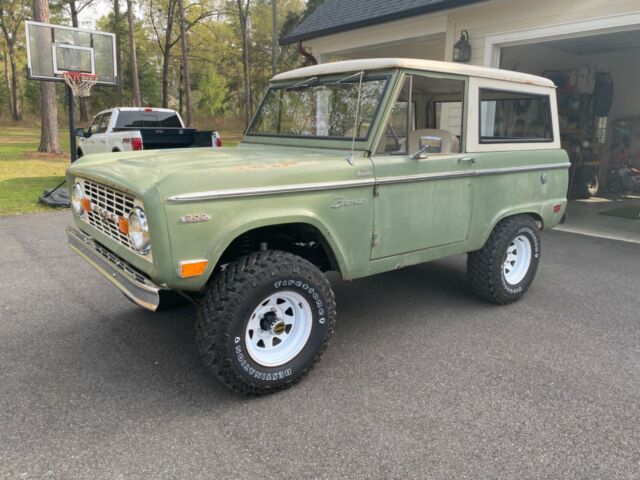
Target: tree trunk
16,114
274,37
180,92
7,81
135,82
185,64
116,18
49,141
82,101
165,55
243,13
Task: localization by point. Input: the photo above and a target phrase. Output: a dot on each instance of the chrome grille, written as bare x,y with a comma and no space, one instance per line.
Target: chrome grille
107,205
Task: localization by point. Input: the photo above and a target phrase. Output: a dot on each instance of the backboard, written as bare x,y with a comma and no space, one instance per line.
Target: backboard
53,50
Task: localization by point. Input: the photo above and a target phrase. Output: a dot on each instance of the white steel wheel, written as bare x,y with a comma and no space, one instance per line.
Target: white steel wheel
278,328
518,260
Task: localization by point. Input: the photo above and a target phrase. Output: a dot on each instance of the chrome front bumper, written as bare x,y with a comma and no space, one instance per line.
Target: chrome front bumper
133,284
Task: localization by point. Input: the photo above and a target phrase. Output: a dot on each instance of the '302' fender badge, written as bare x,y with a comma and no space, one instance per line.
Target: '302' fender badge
198,217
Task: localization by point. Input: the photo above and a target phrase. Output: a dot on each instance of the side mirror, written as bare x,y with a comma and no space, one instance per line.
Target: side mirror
80,132
428,144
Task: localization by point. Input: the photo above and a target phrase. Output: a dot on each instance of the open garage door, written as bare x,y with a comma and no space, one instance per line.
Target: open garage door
599,108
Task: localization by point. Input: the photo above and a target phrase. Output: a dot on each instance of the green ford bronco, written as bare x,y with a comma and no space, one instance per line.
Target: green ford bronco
358,167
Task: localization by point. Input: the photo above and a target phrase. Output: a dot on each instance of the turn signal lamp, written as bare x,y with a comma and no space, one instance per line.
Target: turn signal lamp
86,204
192,268
123,225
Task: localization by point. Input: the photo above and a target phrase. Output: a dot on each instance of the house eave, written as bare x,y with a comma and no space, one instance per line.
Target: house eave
301,37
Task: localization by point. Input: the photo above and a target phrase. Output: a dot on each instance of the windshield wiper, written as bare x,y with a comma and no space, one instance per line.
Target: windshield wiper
304,83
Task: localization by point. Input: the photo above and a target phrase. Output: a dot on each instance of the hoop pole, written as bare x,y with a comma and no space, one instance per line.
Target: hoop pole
72,124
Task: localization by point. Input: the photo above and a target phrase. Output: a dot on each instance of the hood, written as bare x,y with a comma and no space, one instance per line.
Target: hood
189,170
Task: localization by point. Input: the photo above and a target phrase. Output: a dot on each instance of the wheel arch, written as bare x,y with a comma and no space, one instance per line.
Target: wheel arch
534,212
292,234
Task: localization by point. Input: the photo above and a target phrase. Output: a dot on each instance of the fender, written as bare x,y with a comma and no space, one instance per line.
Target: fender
308,218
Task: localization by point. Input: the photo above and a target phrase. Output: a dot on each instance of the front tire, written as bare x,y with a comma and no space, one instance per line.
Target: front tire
504,268
264,322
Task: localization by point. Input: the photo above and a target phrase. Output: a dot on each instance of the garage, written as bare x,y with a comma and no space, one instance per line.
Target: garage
599,105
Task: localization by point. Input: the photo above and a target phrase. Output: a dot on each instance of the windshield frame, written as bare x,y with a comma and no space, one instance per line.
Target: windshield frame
361,143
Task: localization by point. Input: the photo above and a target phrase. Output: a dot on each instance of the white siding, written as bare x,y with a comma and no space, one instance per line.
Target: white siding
504,16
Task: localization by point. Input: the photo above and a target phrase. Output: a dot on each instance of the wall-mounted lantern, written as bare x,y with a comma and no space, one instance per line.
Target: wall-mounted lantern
462,48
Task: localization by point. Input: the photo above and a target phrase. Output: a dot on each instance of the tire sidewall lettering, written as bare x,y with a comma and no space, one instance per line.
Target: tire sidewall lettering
532,236
247,367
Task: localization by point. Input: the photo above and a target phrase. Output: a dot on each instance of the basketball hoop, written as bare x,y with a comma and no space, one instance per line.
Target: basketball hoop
80,83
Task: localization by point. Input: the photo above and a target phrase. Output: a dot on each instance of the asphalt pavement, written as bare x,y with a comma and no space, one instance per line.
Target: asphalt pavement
421,380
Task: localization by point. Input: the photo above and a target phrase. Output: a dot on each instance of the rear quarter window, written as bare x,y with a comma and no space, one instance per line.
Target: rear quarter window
514,117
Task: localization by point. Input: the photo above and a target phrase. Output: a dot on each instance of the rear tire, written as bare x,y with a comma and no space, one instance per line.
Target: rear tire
504,268
614,185
264,321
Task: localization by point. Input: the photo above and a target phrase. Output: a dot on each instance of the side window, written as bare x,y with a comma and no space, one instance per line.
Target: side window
95,125
394,137
434,121
104,123
512,117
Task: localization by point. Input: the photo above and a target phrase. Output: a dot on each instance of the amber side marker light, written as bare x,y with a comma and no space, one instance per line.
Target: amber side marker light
123,225
192,268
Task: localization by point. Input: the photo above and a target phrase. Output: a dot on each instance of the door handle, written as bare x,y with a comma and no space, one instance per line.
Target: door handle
469,160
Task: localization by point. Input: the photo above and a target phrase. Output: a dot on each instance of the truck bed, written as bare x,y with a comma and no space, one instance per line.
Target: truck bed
158,138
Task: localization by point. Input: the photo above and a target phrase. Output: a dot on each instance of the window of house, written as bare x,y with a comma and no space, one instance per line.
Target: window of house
510,117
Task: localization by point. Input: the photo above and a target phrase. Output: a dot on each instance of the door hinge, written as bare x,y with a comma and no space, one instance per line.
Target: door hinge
374,238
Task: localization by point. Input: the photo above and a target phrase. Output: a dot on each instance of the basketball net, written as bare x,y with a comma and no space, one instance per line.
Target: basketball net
80,83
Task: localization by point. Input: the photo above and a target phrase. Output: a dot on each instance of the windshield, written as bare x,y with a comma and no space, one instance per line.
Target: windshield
320,108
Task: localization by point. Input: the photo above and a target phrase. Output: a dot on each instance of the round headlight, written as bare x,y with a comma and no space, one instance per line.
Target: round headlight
77,195
139,231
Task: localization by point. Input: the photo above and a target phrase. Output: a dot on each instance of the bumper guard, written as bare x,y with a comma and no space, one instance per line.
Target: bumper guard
133,284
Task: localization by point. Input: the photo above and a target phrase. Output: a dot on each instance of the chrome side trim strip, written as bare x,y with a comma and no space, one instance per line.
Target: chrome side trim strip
256,191
425,176
526,168
313,187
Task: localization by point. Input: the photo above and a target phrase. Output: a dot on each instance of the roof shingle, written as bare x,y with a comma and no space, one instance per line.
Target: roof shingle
335,16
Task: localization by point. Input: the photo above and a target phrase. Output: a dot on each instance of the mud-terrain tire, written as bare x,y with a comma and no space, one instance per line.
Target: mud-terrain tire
255,300
504,268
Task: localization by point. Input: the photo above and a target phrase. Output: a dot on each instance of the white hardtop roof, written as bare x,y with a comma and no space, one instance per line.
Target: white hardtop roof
415,64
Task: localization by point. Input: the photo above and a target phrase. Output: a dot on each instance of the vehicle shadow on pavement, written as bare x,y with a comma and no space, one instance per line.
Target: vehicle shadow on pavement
157,350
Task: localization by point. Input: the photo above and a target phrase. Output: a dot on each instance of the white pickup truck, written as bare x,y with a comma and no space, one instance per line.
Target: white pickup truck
125,129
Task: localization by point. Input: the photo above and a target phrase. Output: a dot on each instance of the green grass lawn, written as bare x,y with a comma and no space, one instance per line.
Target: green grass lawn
24,173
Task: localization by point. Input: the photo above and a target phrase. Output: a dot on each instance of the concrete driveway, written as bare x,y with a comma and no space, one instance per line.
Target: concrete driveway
421,380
